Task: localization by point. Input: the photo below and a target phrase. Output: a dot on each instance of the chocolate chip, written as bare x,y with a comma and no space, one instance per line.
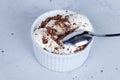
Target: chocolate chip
44,40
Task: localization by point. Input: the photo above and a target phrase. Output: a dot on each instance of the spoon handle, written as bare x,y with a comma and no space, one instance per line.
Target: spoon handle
106,35
112,35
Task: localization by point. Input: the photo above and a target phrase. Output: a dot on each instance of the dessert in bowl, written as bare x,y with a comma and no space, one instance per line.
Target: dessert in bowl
47,33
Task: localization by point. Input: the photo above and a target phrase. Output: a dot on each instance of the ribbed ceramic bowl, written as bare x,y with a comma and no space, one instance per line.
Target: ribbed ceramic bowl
57,62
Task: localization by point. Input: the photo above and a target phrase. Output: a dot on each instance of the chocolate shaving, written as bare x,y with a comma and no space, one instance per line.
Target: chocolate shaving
44,40
58,42
84,26
56,48
43,24
58,18
80,48
62,25
74,23
51,30
44,48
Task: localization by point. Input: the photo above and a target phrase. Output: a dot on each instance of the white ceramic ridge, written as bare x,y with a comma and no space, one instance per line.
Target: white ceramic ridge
58,62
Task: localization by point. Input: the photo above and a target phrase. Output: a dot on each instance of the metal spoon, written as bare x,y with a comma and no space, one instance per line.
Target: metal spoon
82,37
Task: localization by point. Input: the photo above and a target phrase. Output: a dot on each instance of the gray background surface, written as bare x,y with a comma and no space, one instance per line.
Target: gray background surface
17,61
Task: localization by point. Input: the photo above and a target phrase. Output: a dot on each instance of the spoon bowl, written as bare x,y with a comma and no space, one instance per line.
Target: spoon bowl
79,37
82,37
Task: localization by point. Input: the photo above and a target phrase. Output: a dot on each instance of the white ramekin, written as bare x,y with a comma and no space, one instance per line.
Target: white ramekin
57,62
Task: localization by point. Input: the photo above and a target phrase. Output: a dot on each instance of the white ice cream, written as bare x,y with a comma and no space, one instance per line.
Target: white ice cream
75,21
